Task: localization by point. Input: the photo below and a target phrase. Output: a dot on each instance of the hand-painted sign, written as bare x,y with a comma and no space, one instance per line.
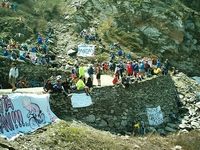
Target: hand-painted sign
85,50
23,113
80,100
155,116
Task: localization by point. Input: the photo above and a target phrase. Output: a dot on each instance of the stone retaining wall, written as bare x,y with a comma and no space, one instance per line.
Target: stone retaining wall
27,70
116,109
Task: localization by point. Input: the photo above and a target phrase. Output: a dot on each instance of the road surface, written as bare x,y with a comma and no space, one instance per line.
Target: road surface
106,80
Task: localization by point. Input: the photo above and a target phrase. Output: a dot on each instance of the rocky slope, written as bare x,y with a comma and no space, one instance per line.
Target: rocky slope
165,29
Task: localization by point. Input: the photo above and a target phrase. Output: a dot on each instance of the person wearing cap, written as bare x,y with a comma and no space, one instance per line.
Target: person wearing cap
13,74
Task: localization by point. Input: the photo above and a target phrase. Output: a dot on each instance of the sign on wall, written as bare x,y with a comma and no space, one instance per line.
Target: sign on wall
85,50
155,116
23,113
80,100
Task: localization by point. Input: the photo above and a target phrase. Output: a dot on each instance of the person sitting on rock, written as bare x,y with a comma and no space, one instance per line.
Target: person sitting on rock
124,81
89,83
23,57
81,85
6,53
66,85
115,80
48,87
3,4
120,53
57,88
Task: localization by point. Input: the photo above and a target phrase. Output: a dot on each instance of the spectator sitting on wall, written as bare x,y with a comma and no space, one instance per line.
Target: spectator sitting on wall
24,47
48,86
57,87
6,53
81,85
3,3
125,82
115,80
66,85
89,83
13,55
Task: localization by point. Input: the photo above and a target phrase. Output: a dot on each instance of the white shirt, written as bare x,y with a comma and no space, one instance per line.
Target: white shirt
14,72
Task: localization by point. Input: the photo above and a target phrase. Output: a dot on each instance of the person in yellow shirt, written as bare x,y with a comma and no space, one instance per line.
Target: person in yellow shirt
81,72
81,85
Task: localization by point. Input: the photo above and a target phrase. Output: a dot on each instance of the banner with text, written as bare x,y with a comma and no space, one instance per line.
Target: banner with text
23,113
155,115
80,100
85,50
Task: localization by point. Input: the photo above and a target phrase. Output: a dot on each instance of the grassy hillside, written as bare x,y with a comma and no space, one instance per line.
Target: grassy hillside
78,136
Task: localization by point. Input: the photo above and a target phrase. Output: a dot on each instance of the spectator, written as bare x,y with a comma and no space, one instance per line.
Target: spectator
112,56
24,47
115,80
28,56
23,57
3,3
15,7
158,64
13,74
117,70
89,83
2,43
82,72
33,49
125,82
98,75
8,4
66,86
81,85
135,69
43,61
57,88
13,55
44,48
123,55
91,73
120,53
146,66
86,38
48,86
39,41
6,53
129,69
166,65
129,56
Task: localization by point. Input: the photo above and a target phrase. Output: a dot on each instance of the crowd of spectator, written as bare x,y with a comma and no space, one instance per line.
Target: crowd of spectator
7,4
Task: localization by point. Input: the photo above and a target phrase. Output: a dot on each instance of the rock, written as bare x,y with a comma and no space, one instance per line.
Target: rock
90,118
169,129
103,123
195,124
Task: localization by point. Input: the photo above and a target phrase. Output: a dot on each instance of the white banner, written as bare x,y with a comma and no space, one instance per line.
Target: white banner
155,116
23,113
80,100
85,50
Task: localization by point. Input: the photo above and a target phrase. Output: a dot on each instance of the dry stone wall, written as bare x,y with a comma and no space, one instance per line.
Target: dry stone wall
27,71
116,109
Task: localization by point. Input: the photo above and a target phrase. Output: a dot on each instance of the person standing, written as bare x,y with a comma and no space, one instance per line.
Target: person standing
98,75
91,73
13,74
